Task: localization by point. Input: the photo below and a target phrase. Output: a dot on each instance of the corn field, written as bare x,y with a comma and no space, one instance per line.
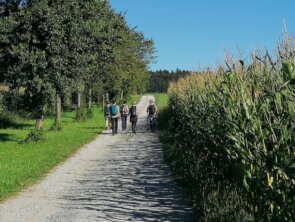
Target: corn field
232,137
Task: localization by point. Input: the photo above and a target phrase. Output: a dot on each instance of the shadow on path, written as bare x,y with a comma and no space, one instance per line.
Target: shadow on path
131,183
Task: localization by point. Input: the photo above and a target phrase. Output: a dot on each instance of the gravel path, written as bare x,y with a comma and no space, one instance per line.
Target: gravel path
114,178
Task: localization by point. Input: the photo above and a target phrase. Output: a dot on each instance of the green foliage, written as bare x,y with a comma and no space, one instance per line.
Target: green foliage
82,113
163,111
2,103
235,130
51,47
6,121
34,136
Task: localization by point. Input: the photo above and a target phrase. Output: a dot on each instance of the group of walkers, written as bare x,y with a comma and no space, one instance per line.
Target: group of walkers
113,112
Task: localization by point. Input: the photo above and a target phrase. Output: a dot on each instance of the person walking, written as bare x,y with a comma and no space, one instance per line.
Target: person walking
115,114
152,114
133,117
107,115
124,111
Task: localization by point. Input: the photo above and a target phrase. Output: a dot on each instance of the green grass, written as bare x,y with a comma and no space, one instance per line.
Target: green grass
161,100
23,164
162,103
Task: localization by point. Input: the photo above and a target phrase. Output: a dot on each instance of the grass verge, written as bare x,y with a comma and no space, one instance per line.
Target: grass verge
161,100
21,165
162,103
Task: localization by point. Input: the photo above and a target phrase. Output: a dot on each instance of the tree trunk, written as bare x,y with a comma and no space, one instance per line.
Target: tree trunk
89,98
39,124
103,101
57,110
39,118
122,95
78,99
107,97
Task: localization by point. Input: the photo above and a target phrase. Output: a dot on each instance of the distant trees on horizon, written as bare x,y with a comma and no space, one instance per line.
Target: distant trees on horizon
160,79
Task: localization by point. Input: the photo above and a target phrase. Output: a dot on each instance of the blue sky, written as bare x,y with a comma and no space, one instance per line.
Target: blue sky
193,34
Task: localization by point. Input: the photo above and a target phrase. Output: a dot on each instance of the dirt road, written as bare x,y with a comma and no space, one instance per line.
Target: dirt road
114,178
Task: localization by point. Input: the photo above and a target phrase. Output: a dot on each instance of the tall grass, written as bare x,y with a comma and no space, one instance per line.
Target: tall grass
232,138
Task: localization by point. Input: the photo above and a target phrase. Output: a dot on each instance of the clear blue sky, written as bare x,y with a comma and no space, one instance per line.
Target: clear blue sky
192,34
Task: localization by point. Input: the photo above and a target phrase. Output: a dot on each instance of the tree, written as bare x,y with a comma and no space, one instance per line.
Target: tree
50,47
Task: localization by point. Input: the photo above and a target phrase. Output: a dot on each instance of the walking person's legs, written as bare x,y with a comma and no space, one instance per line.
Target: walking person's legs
124,119
113,126
116,125
125,126
134,126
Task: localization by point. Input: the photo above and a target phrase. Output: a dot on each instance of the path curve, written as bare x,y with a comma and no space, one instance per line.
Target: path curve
113,178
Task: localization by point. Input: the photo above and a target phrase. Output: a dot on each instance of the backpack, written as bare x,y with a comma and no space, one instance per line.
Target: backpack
152,109
133,111
114,110
107,110
124,110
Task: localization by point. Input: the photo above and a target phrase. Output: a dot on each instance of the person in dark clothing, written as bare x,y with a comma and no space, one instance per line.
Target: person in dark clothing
152,115
133,116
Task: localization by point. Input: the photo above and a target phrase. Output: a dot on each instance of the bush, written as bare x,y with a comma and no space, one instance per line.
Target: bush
163,119
34,136
82,114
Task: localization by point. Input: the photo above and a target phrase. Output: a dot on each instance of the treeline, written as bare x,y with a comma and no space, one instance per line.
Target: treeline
231,137
160,79
56,52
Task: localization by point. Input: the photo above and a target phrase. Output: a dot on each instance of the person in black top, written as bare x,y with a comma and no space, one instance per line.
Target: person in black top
133,116
152,115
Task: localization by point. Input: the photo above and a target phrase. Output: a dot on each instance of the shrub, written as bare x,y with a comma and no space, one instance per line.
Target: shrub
82,114
34,136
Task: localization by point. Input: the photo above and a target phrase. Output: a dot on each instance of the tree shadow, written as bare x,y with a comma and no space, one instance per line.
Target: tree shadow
4,137
131,183
11,124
